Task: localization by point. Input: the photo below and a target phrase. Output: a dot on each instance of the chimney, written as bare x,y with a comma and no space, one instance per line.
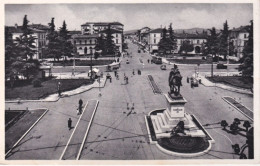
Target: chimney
15,25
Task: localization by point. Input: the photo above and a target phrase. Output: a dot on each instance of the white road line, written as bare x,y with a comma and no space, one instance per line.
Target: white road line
27,132
73,133
224,136
86,134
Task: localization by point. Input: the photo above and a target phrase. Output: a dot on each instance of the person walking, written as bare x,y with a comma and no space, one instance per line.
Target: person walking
133,71
115,73
70,124
80,106
148,60
59,89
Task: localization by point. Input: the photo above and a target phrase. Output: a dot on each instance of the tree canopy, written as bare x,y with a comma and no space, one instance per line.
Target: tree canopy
247,66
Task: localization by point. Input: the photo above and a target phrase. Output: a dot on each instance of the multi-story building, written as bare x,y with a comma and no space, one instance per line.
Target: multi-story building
90,31
197,40
96,27
39,32
239,38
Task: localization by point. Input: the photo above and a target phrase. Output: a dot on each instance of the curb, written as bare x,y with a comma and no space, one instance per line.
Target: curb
27,132
63,152
57,99
90,123
238,108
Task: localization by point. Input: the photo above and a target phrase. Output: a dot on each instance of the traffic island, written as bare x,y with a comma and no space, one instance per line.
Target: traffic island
176,132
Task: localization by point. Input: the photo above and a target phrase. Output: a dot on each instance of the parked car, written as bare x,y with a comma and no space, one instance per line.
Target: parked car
127,61
163,67
221,66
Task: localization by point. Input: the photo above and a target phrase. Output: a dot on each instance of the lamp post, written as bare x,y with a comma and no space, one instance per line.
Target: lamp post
91,52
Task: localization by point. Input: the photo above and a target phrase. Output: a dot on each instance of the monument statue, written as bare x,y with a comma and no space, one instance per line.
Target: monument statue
175,81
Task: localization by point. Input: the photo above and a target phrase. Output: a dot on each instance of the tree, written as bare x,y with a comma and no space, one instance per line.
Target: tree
66,47
223,45
186,46
166,45
224,124
246,124
26,47
100,46
53,47
110,47
26,42
172,37
247,66
211,46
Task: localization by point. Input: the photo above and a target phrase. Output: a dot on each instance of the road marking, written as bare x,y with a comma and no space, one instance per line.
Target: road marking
73,132
27,132
86,134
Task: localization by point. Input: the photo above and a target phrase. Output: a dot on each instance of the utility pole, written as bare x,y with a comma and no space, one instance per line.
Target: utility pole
212,67
250,142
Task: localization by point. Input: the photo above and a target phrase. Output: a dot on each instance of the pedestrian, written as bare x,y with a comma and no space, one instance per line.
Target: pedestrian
110,79
133,71
59,88
70,123
115,73
126,80
148,60
117,77
80,106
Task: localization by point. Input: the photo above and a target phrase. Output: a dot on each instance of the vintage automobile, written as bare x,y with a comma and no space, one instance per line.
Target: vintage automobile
221,66
194,82
163,67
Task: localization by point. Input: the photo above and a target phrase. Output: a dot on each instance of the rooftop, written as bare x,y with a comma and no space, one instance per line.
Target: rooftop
102,23
85,36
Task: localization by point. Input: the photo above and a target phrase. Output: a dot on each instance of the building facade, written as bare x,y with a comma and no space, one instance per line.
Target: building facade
239,38
154,37
86,41
39,32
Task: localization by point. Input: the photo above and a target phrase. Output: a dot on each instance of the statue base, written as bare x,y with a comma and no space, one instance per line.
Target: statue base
165,121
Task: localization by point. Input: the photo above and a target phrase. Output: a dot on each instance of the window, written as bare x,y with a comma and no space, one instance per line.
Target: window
85,41
74,42
154,40
154,35
116,41
80,48
244,35
90,41
198,41
79,41
116,35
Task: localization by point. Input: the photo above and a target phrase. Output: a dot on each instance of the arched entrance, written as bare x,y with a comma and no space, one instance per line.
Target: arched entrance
85,50
197,49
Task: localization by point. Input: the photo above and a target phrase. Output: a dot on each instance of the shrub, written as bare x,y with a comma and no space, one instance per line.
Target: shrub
37,83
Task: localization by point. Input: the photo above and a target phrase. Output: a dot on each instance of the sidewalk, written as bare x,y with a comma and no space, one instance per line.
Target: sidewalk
208,83
55,97
164,60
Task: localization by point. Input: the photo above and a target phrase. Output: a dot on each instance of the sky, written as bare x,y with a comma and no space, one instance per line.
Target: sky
133,16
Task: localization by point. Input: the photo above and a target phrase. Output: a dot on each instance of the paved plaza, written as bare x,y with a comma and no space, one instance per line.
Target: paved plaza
118,130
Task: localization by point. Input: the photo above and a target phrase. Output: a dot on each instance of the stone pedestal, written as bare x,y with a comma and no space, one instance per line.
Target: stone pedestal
164,122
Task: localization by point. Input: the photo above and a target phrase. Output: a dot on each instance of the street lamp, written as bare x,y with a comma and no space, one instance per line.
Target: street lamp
91,52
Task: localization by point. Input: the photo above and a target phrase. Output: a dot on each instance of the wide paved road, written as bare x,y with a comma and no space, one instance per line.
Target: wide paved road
118,133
